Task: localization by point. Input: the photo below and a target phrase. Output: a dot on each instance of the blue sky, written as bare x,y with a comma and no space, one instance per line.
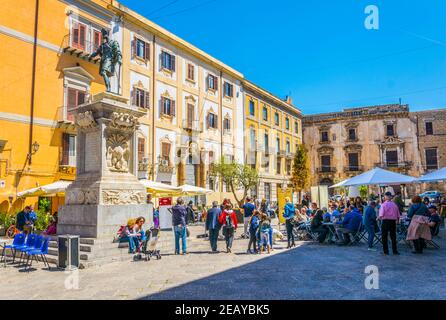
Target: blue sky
319,51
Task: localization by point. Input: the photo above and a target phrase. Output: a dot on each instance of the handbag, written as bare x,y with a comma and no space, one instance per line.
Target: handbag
187,232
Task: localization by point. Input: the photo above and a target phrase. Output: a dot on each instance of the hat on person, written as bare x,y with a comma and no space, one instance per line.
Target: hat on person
388,194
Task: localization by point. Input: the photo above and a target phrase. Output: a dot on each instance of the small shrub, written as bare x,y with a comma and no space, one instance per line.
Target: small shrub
42,221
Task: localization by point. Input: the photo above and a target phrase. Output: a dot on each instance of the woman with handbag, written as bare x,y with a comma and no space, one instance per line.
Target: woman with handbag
228,219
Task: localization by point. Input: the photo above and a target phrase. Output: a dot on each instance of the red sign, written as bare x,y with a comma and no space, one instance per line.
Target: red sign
165,201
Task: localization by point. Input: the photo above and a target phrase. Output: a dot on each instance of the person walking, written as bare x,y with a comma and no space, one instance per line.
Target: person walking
179,214
228,220
389,214
370,224
254,222
212,224
190,218
248,210
288,214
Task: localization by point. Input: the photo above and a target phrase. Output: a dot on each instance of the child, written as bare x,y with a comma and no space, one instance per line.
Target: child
265,230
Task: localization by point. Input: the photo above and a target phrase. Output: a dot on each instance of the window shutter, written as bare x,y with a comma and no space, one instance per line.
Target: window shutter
216,126
65,149
172,108
216,83
172,62
162,106
161,60
82,35
207,121
75,34
133,96
146,50
134,43
147,99
208,79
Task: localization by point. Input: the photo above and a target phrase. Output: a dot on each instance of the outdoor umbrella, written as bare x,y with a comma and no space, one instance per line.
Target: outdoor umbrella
189,190
339,184
159,189
379,176
434,176
51,189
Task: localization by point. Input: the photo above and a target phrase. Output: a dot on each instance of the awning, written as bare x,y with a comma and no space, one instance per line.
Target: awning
189,190
159,189
378,176
434,176
52,189
339,184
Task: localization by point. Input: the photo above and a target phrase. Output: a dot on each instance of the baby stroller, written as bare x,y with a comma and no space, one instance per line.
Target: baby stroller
147,248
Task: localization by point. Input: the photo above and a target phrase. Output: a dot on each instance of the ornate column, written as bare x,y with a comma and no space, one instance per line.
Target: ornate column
106,192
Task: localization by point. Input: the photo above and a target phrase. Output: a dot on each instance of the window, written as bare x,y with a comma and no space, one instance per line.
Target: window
68,150
276,118
267,190
266,141
429,128
253,139
140,98
168,61
141,149
190,72
251,108
324,136
431,159
288,167
212,121
351,134
278,165
353,161
211,183
296,127
212,82
392,158
390,130
288,147
211,157
287,123
97,39
167,106
79,35
141,49
326,163
228,90
278,145
227,125
75,98
165,151
265,114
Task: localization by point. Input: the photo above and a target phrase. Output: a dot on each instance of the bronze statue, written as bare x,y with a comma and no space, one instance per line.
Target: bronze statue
110,55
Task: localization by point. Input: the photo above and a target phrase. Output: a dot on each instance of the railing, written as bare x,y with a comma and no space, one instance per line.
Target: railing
81,49
326,170
194,125
396,165
353,168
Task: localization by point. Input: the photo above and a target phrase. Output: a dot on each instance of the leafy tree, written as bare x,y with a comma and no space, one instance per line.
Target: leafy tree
236,176
300,177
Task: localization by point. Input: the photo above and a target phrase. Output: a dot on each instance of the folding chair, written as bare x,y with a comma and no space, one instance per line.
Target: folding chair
358,235
313,235
434,234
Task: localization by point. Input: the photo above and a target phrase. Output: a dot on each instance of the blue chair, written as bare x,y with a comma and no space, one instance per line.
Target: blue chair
37,245
42,252
19,240
29,243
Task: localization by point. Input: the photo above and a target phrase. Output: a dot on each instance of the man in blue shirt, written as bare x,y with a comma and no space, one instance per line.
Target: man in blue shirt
370,223
179,223
213,225
248,210
350,224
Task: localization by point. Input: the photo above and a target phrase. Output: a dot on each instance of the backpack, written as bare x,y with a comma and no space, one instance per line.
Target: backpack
229,223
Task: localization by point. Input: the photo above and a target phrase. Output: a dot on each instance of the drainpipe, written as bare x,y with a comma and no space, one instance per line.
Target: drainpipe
33,83
220,122
153,107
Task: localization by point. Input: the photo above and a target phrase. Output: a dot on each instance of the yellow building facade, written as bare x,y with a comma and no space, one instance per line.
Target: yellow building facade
198,107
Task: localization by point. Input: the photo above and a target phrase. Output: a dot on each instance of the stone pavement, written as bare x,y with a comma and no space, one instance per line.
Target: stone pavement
309,271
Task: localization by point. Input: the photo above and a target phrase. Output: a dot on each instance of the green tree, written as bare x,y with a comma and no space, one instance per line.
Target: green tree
236,176
300,177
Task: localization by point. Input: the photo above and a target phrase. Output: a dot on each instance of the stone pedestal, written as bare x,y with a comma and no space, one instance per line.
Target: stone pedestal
106,192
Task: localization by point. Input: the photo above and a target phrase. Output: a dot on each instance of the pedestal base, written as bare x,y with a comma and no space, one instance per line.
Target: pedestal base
97,221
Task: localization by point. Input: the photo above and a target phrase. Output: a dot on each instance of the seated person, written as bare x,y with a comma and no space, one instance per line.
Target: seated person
133,233
52,228
335,214
434,220
349,224
327,215
318,227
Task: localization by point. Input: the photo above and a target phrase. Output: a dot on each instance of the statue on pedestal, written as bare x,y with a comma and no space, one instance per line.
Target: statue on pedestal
110,56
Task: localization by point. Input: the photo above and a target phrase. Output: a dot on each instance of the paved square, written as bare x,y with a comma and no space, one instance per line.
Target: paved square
309,271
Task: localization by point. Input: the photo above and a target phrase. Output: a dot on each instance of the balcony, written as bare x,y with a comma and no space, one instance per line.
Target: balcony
80,50
193,126
67,169
429,168
281,153
351,169
326,170
394,166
